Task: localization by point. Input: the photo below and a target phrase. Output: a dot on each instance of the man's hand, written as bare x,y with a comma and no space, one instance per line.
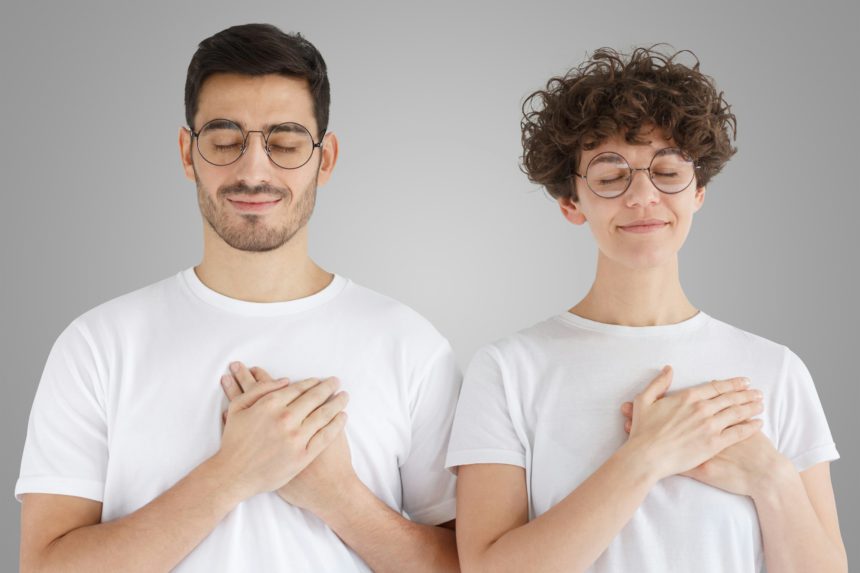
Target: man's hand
328,476
275,429
742,468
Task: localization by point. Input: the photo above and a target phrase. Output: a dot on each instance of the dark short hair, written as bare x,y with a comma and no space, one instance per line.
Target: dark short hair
618,94
256,50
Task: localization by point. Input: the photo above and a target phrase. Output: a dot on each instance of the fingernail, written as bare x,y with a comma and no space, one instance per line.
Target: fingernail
745,381
234,366
758,394
225,380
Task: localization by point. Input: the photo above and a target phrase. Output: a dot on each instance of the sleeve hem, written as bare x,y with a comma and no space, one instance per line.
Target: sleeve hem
436,514
812,456
88,489
467,457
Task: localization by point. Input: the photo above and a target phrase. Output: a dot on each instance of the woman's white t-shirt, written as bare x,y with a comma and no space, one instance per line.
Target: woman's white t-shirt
548,399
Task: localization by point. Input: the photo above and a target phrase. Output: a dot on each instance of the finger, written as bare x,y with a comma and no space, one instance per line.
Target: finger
326,435
723,401
714,388
657,387
325,413
285,395
627,426
739,432
231,387
737,414
242,375
260,389
259,374
627,409
312,399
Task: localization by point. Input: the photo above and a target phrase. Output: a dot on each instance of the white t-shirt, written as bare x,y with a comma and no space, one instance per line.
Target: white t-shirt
130,402
548,399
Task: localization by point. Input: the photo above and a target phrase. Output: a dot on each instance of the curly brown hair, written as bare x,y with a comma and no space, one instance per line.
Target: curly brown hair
614,93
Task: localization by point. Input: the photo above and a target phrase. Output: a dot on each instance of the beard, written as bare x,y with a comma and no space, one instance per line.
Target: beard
249,232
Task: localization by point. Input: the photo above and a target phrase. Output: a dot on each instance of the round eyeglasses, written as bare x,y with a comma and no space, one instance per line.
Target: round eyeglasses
222,142
608,174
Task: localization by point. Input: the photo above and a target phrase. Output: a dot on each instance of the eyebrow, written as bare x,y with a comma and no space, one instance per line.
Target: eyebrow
228,123
607,158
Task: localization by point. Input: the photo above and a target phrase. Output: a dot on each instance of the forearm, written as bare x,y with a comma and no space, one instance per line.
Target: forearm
156,537
574,532
385,539
793,536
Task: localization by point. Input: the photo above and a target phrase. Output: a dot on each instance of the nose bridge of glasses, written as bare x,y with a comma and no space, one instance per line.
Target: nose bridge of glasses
649,187
264,140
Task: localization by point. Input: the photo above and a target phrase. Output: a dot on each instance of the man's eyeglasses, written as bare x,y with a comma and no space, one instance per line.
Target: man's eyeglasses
222,142
608,174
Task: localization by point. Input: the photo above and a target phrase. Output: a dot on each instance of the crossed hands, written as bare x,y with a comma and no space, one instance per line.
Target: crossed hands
706,432
287,437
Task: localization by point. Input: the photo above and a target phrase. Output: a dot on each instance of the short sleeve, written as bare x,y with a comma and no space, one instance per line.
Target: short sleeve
66,447
429,491
803,434
483,431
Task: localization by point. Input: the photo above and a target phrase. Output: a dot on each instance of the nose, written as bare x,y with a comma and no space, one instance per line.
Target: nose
642,190
254,167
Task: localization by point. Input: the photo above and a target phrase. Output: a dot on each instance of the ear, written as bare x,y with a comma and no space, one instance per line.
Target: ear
571,210
329,152
699,199
185,152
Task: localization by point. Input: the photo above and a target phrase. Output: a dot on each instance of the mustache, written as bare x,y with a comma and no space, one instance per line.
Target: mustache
243,189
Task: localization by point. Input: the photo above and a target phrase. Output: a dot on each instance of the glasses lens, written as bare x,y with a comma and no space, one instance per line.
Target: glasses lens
290,145
220,142
608,174
672,170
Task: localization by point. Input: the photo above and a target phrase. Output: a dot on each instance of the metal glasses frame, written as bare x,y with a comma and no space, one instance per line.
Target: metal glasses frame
633,171
265,136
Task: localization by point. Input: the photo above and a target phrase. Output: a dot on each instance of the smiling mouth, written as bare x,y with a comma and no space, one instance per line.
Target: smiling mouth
644,227
253,206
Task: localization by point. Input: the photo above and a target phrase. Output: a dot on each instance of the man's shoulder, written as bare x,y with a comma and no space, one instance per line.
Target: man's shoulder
387,315
125,308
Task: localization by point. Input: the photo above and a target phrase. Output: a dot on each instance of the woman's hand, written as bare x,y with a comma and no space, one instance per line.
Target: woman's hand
679,432
742,468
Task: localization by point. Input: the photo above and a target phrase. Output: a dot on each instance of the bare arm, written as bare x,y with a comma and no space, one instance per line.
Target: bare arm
681,431
270,436
800,528
494,533
64,532
386,540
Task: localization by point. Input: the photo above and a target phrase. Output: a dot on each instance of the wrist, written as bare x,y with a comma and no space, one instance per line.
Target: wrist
641,460
345,502
230,487
780,476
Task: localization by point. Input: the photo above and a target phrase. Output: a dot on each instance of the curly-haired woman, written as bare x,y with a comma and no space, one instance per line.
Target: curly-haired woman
726,465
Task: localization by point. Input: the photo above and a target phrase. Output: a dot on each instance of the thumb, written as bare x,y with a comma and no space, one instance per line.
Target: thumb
658,387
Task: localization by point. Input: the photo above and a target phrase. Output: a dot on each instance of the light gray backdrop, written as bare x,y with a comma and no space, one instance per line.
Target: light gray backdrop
427,203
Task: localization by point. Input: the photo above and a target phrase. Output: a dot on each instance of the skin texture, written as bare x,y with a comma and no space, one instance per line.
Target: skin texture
710,437
278,428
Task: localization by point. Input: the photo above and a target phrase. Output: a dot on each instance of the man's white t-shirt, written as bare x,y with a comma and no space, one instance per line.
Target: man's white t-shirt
548,399
130,402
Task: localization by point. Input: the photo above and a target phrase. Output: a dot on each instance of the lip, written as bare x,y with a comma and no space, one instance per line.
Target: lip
644,226
253,206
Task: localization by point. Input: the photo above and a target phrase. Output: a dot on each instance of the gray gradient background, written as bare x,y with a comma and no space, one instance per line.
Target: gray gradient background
427,203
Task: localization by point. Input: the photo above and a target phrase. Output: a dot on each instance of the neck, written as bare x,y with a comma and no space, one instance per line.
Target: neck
635,297
282,274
